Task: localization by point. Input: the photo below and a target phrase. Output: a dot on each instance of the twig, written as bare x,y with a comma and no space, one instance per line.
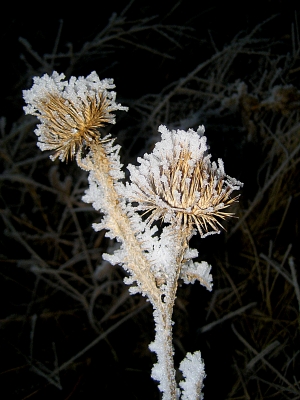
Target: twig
230,315
270,366
98,339
294,279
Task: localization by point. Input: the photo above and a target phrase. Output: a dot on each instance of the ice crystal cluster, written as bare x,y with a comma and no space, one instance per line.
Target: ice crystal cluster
174,192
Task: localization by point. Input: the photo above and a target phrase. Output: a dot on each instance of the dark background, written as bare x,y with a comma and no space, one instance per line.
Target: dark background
142,73
121,367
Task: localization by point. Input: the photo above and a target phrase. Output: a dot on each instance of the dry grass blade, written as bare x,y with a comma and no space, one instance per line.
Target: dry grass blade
291,387
226,317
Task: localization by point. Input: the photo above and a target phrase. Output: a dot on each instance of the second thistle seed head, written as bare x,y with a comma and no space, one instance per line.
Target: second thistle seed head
177,182
71,112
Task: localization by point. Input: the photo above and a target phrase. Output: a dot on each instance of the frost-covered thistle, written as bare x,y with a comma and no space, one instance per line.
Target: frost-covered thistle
71,112
176,183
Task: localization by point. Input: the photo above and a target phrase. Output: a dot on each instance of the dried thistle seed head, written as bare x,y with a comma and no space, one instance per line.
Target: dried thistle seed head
71,113
178,183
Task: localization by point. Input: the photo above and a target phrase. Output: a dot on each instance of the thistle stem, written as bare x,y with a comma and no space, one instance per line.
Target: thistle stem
165,353
163,319
118,222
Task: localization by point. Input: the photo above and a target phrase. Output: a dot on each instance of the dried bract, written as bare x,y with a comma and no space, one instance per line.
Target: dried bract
178,182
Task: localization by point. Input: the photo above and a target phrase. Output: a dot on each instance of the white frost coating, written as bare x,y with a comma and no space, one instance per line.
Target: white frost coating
191,253
192,271
192,368
161,368
175,140
164,250
76,90
210,233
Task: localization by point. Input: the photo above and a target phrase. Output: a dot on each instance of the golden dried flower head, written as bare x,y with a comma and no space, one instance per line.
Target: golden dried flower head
71,113
178,182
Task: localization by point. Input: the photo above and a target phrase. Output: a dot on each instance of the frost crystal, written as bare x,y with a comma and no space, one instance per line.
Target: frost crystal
192,368
197,271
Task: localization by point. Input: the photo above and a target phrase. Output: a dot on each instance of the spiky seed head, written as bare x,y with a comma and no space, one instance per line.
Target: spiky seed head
178,182
70,113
